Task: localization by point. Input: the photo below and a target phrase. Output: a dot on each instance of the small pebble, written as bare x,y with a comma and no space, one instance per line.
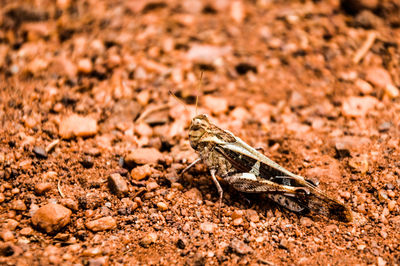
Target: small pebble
345,195
237,221
50,175
252,216
380,261
359,164
92,252
361,247
143,97
40,152
151,186
385,126
283,243
143,156
392,205
194,194
33,208
25,164
392,91
382,195
7,235
342,149
181,243
148,239
239,114
162,206
102,224
141,172
128,205
297,100
207,53
117,184
143,129
240,247
70,204
10,224
27,231
177,185
18,205
85,65
208,227
216,105
237,214
51,217
378,76
364,86
138,201
67,256
58,107
237,11
307,222
355,106
30,122
77,126
87,162
100,261
41,188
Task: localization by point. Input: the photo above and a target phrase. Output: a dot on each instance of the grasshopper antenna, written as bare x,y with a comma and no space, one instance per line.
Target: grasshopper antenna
198,90
179,100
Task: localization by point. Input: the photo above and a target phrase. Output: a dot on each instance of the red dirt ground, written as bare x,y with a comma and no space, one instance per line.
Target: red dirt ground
285,76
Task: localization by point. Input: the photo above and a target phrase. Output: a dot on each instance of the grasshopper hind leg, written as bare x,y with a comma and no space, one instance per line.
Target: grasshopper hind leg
288,202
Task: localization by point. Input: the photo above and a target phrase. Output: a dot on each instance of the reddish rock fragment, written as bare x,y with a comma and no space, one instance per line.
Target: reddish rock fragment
240,247
51,217
148,239
102,224
208,227
117,184
216,105
379,77
358,106
18,205
143,156
77,126
194,194
141,172
207,53
41,188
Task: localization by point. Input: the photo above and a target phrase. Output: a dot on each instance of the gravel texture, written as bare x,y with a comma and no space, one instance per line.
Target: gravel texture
92,143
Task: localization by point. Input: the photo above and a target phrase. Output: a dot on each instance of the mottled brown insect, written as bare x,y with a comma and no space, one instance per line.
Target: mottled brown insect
249,171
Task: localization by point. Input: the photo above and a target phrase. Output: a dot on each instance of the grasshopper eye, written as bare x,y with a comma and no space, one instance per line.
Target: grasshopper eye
195,127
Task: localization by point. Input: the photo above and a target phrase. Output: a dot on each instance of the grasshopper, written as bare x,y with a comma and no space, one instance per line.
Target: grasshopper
249,171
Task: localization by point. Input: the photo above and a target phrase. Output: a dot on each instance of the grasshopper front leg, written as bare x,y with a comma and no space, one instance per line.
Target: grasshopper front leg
190,166
219,188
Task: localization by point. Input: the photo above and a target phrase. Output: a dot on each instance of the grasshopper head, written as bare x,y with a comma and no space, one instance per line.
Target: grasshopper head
198,127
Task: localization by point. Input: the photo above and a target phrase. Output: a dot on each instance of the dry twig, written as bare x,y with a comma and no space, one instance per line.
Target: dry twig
59,188
151,110
360,53
52,145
